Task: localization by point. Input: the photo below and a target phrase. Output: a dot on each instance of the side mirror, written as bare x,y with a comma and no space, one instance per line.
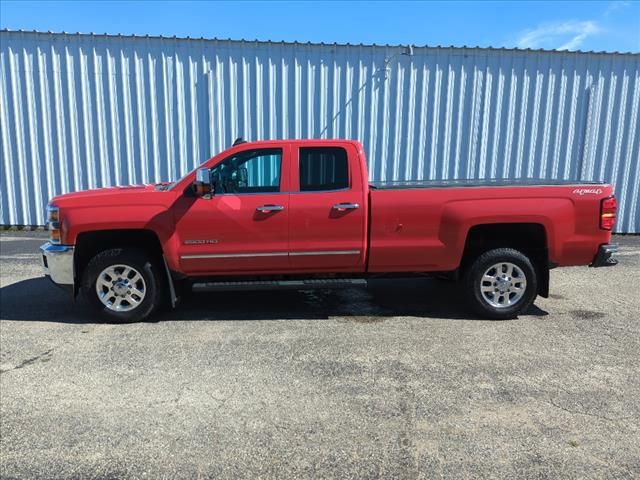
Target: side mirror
202,186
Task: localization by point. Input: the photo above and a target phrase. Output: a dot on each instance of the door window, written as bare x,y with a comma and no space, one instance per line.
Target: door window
323,168
252,171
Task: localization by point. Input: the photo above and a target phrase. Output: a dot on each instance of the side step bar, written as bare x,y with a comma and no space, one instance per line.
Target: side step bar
280,284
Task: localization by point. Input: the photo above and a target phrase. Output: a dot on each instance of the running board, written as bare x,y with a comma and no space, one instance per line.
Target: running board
280,284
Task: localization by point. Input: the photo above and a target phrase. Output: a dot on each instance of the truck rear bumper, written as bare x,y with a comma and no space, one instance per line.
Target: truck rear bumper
603,258
57,263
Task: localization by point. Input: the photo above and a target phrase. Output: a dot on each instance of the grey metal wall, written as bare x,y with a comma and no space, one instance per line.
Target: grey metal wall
84,111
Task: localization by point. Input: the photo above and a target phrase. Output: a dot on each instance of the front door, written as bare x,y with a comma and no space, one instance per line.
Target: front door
244,226
328,211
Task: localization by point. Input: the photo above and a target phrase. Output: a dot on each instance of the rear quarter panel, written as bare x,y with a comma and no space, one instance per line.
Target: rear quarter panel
426,229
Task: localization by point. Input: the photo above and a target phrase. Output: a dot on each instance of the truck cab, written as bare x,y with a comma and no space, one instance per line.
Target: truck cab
275,208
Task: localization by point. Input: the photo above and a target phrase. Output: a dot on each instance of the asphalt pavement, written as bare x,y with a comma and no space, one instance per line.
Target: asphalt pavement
397,381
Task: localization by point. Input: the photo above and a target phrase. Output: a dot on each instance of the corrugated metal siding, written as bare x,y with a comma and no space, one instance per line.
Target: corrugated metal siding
84,111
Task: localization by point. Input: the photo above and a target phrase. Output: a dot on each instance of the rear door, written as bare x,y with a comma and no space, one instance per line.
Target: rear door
328,210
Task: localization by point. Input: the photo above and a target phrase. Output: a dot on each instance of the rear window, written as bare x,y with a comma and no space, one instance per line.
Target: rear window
323,168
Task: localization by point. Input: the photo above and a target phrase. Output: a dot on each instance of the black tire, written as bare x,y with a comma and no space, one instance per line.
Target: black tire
150,271
473,281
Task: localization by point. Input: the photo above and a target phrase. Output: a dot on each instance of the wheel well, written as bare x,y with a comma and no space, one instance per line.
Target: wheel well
529,238
89,244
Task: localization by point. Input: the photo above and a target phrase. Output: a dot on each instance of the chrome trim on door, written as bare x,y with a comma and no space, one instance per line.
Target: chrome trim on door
234,255
269,208
346,206
270,254
325,252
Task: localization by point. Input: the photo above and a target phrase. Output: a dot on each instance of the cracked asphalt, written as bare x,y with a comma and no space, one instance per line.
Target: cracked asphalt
397,381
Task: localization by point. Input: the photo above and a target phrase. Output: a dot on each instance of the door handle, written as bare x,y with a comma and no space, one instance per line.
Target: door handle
269,208
343,207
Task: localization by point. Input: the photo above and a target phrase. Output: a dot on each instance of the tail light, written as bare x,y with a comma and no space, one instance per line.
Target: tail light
608,207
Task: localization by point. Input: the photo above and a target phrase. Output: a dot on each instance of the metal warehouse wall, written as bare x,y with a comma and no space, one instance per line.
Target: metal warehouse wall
84,111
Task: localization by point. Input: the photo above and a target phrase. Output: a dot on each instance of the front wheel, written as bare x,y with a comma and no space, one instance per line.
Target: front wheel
501,283
124,285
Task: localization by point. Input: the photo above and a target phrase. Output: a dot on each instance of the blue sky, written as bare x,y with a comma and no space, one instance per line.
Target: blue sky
606,25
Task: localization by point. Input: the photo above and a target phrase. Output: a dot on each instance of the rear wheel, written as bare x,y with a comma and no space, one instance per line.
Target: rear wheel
124,285
501,284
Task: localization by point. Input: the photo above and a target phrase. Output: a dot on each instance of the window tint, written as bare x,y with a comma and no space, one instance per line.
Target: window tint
253,171
323,168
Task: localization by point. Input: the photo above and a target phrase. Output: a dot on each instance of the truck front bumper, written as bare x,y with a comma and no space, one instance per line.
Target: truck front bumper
603,257
57,262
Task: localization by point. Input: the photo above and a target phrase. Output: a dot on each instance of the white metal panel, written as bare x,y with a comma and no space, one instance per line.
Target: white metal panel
85,111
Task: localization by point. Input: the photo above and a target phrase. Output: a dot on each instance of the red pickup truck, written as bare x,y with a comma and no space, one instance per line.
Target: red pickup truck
302,214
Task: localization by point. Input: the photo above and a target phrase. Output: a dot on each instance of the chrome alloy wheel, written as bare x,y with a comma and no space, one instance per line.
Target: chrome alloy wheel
503,285
120,288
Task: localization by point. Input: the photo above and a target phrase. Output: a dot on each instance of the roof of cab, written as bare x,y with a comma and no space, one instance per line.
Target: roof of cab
301,141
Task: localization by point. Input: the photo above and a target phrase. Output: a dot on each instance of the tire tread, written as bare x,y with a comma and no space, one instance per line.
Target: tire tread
478,267
147,267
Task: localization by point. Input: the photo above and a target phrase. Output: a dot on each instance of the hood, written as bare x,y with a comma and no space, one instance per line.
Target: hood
108,195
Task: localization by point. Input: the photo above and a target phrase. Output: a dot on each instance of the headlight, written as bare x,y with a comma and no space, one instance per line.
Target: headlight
53,223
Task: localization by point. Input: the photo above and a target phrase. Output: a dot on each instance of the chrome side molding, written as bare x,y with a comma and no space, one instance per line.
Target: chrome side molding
234,255
325,252
269,254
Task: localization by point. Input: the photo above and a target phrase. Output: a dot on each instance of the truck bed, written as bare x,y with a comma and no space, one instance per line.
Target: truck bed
489,182
423,226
